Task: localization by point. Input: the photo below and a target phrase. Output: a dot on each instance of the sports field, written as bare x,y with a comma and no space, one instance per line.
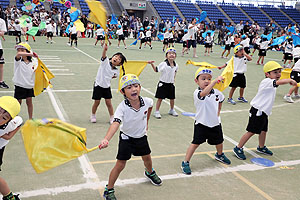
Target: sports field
85,178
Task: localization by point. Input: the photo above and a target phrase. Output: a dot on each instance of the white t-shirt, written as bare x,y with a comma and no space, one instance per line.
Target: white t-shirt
167,72
29,25
297,66
245,42
208,39
12,125
24,74
119,32
17,27
148,33
2,28
166,35
100,31
134,122
105,74
207,107
171,35
50,28
192,31
239,64
228,40
73,30
185,37
142,35
264,99
257,41
288,48
296,52
264,45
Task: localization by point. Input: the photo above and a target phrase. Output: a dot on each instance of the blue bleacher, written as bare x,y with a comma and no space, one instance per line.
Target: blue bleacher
292,13
213,13
234,13
188,10
4,3
84,7
165,10
277,16
256,15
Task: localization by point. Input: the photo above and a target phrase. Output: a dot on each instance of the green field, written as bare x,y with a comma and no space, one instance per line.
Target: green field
85,178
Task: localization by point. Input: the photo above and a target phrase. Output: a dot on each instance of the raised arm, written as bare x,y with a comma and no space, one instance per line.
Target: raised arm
104,51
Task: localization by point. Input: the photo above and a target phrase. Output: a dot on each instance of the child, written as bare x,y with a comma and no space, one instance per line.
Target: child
171,38
120,36
246,44
295,75
263,50
50,30
207,126
240,67
73,33
288,50
227,45
166,87
261,108
166,39
28,27
107,71
142,37
17,28
2,32
90,29
208,43
134,113
9,125
100,35
24,75
256,42
296,54
148,36
184,43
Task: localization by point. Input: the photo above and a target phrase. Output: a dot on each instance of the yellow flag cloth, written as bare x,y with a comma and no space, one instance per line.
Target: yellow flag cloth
227,75
98,13
79,25
52,142
286,73
42,78
132,67
200,64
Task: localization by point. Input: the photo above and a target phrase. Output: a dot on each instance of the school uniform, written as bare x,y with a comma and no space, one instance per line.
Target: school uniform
262,105
24,77
73,33
50,30
240,67
120,34
166,38
165,86
288,50
142,36
246,44
208,41
171,38
296,54
184,39
257,43
2,28
148,36
207,126
263,48
133,128
295,74
103,80
227,43
192,36
100,34
17,28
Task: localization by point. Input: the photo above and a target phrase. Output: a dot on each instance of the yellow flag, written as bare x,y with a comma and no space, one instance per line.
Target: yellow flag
200,64
132,67
79,25
98,13
52,142
286,73
42,78
227,75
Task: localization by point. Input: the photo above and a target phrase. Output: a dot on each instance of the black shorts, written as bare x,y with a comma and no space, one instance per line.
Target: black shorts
1,57
295,76
256,46
171,40
49,34
132,146
232,44
288,56
23,93
257,124
148,39
100,37
143,40
1,156
227,47
207,45
262,52
296,59
192,43
73,36
17,33
247,50
214,135
121,37
166,41
100,92
239,80
165,90
184,44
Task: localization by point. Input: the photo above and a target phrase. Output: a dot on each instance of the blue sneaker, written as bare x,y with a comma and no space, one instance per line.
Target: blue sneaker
185,167
264,150
222,158
153,177
242,99
109,194
230,100
239,153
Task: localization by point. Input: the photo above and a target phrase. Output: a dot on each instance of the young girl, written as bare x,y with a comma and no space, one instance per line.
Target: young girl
208,43
24,75
288,50
148,36
27,28
295,75
50,30
141,37
171,38
166,39
256,42
227,45
17,28
100,35
165,87
120,36
73,33
107,71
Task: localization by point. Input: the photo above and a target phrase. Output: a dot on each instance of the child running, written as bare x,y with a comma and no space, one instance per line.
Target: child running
134,113
166,87
207,126
107,71
295,75
148,36
261,108
142,38
227,45
166,39
288,50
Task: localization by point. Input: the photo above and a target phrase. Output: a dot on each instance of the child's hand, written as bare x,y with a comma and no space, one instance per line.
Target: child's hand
150,61
219,67
35,55
219,79
105,47
103,144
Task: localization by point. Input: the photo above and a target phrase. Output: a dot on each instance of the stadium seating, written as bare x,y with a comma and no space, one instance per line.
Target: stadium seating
293,13
256,15
277,16
84,7
188,10
234,13
165,10
213,13
4,3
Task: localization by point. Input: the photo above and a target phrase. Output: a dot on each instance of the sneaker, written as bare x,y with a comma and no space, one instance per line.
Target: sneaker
109,194
93,119
155,180
185,167
288,99
264,150
222,158
3,85
239,153
157,115
297,96
230,100
173,113
242,99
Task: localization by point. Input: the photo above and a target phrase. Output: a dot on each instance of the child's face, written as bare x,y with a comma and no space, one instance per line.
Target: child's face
116,60
203,80
275,74
132,92
240,53
4,116
21,50
171,55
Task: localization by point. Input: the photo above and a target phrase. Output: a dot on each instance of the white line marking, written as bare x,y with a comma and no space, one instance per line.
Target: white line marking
55,66
70,74
54,70
204,173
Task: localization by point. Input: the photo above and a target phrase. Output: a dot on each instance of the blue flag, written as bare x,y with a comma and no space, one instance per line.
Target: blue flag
174,18
231,29
160,36
203,16
134,43
269,36
296,40
113,19
205,33
292,30
278,41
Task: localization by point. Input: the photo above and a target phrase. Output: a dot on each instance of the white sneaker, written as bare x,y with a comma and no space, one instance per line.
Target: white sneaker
173,113
93,119
297,96
157,115
111,119
288,99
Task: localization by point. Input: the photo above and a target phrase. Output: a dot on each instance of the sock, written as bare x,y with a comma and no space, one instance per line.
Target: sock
33,38
27,37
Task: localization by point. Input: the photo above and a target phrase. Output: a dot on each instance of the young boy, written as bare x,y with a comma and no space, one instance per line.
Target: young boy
73,33
263,50
100,35
142,37
295,75
107,71
227,39
148,36
9,125
120,36
261,108
240,60
134,113
288,53
208,103
208,43
166,87
50,30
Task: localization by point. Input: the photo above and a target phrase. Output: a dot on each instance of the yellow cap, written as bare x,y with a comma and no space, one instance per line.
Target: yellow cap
23,45
203,70
237,48
271,65
11,105
171,49
129,79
